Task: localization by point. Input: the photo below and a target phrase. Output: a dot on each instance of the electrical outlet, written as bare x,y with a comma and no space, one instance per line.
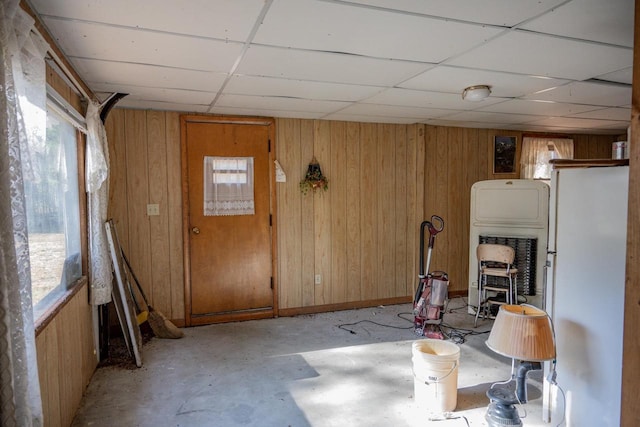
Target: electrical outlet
318,279
153,210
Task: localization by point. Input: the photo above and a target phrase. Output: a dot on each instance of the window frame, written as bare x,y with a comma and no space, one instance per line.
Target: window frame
67,101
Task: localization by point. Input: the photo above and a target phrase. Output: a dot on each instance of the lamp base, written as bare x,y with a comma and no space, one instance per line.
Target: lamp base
501,411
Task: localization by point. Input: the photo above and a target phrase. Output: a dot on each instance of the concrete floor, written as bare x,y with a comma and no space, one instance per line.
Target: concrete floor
296,371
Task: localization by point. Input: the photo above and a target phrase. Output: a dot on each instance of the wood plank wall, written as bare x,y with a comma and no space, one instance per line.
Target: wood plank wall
144,152
361,236
66,360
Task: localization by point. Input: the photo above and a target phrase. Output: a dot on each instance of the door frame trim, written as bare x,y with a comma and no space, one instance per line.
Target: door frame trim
250,121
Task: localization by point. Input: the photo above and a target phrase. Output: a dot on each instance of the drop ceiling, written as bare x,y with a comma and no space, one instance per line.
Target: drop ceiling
552,65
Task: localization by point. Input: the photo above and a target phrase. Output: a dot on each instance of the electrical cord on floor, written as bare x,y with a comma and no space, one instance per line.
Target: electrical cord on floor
351,331
452,418
459,335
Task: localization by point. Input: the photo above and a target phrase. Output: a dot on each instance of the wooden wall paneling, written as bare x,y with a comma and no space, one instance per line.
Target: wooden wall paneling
386,209
485,168
431,206
471,167
441,202
69,364
137,197
338,212
174,213
421,154
289,214
160,265
118,201
368,212
352,215
307,235
48,371
401,216
415,202
322,213
454,233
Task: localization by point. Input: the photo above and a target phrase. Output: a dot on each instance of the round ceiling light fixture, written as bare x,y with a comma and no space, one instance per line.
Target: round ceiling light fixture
476,93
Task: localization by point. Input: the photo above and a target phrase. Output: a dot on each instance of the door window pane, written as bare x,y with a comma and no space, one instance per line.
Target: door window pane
228,186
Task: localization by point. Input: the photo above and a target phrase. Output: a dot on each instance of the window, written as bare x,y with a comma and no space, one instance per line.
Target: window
53,214
536,153
228,186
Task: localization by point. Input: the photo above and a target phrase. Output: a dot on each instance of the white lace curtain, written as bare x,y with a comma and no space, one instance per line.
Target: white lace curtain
23,93
97,174
536,153
228,186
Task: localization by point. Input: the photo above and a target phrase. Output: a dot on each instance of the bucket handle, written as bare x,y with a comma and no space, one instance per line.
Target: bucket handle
436,380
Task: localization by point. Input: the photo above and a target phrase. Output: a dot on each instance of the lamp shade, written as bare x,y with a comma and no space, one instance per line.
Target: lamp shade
522,332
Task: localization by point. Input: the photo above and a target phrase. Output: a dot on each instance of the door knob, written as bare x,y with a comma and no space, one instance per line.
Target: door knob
195,230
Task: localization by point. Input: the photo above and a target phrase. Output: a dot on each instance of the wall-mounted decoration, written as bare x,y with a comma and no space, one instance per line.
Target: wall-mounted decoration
280,175
504,154
314,180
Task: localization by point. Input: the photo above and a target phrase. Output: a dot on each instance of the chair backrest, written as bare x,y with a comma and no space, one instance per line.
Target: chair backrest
487,252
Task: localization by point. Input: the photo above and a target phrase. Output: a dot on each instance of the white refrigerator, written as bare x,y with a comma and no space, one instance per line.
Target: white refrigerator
585,293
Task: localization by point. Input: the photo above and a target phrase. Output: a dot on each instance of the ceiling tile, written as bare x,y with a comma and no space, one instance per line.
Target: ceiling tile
619,114
577,123
597,20
541,108
269,86
453,79
418,98
279,103
622,76
156,94
393,111
97,71
610,95
371,119
464,124
336,27
486,117
223,19
268,112
143,47
162,106
472,11
546,56
326,67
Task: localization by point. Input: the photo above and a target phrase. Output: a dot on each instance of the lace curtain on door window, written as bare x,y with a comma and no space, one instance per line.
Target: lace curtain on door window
228,186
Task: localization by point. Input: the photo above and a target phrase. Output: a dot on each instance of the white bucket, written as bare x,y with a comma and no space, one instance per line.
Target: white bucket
435,375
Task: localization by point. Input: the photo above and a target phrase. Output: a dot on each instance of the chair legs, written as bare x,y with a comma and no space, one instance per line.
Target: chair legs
510,298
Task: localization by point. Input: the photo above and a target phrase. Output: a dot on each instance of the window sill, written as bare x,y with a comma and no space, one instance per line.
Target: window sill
48,315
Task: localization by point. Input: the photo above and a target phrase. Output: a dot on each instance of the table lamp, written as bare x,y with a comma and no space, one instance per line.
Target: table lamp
525,333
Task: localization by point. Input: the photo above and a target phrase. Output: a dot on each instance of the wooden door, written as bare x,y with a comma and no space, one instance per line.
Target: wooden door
229,244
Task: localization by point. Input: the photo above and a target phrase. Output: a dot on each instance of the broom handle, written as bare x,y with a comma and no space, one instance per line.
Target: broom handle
135,279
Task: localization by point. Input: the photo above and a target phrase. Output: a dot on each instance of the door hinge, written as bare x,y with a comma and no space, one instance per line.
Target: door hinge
272,283
269,145
270,220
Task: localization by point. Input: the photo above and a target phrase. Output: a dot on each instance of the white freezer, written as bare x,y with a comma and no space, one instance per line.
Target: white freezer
585,297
